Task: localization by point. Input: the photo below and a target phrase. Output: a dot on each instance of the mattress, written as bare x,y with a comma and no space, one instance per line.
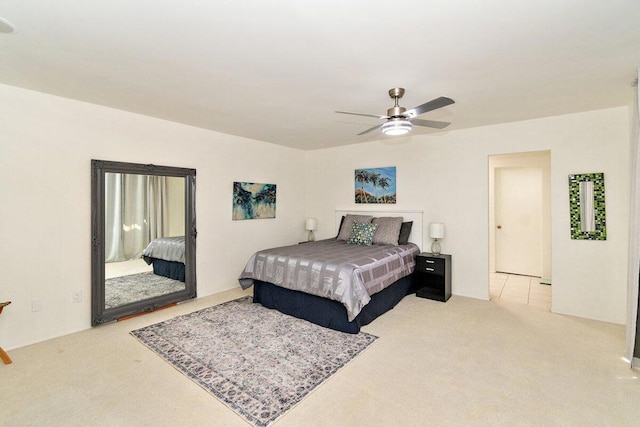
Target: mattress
165,248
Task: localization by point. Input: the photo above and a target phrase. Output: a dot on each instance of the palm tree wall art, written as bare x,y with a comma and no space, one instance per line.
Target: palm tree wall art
375,185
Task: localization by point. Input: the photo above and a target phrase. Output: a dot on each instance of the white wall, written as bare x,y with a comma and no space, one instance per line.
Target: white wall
446,176
46,144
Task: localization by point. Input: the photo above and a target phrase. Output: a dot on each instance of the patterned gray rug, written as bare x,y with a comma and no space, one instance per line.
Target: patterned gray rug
258,361
135,287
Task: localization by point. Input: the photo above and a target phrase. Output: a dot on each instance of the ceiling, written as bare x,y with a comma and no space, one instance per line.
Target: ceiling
277,70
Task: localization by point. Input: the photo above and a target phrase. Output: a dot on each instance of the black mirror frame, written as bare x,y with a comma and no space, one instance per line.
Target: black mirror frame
99,314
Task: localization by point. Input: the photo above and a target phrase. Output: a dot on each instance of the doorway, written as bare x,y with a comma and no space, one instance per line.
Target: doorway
519,228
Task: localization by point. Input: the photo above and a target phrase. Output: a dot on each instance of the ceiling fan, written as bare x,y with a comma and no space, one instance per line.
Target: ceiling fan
399,120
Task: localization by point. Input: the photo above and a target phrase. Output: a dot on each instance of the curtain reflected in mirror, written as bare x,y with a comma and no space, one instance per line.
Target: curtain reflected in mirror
143,238
139,210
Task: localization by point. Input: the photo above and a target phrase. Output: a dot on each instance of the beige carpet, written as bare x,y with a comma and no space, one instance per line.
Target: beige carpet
466,362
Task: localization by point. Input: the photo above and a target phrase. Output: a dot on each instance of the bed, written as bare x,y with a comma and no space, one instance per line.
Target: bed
166,254
338,283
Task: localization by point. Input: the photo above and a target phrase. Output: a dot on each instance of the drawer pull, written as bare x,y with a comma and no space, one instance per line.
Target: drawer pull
430,269
430,261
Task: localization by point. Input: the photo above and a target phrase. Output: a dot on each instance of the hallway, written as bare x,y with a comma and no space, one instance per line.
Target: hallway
516,289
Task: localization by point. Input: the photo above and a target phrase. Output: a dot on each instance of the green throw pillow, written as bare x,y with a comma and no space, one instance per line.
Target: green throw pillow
362,233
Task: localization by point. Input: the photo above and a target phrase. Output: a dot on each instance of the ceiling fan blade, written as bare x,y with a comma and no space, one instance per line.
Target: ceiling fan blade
434,104
430,123
362,114
371,129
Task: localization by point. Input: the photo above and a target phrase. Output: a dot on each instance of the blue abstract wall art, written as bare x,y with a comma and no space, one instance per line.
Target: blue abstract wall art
254,201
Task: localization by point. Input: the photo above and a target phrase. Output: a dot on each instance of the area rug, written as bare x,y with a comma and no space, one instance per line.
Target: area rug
135,287
258,361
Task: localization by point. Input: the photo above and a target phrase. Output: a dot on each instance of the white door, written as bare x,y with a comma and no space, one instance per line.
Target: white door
518,215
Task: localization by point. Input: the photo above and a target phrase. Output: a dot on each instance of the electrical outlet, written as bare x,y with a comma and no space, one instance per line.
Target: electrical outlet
36,305
76,297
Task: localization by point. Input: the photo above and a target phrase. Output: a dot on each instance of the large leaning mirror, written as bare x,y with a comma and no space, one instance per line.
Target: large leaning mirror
143,228
587,207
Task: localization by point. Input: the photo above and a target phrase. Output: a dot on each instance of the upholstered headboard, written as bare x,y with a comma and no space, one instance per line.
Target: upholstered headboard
416,235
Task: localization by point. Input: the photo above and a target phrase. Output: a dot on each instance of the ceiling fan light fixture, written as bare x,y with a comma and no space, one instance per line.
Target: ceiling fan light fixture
396,127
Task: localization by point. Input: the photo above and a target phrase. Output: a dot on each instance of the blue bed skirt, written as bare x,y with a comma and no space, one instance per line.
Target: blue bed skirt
325,312
171,269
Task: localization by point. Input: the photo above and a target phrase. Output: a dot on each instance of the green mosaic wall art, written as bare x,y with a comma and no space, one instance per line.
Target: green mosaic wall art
576,209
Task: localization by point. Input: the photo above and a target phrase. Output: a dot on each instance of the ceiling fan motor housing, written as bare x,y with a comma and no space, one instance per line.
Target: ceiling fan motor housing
396,111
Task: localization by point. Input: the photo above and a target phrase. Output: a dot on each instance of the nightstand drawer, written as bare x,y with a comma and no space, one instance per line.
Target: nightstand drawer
430,265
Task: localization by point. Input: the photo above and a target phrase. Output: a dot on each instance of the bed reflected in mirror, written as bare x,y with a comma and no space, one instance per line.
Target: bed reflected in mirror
143,245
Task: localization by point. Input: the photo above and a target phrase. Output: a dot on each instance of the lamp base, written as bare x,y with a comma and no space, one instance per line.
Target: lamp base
311,237
435,247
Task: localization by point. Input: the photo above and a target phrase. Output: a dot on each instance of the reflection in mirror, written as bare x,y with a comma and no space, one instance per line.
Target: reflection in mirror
587,212
587,207
144,216
143,238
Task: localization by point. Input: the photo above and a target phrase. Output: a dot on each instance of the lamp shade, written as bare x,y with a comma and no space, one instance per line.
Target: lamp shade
310,224
436,230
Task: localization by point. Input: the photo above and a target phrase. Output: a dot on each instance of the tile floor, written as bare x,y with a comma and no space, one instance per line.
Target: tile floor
512,288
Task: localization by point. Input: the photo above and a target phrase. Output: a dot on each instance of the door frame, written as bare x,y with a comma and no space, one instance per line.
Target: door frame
540,159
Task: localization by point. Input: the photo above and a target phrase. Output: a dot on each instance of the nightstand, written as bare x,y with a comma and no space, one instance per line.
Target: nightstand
432,276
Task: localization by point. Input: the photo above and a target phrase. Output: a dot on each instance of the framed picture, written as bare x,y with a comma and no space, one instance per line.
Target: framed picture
254,201
375,185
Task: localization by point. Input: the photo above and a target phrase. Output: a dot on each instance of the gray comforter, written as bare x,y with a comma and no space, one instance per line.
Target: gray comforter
332,269
166,248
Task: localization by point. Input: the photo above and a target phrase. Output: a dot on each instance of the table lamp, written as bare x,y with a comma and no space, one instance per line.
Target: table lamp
436,231
310,225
